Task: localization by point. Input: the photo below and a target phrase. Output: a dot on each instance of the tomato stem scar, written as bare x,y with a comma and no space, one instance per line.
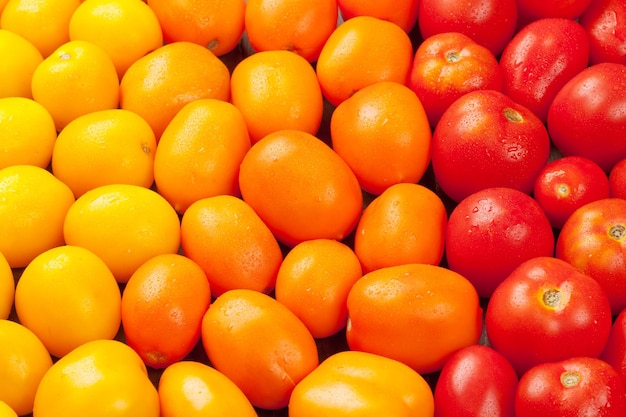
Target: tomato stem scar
552,298
512,115
617,231
570,379
453,56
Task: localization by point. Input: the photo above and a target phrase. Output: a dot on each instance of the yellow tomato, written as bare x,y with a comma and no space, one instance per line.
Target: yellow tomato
7,288
6,411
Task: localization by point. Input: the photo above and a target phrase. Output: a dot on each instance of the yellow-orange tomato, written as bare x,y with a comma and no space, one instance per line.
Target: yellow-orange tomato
313,282
404,224
194,389
259,344
17,72
7,288
418,314
350,383
166,295
102,378
300,187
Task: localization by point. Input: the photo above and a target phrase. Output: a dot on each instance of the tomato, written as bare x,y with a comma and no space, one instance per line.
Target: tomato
491,23
448,65
617,179
614,352
578,386
587,116
530,10
605,24
593,240
547,310
476,380
568,183
485,139
540,59
491,232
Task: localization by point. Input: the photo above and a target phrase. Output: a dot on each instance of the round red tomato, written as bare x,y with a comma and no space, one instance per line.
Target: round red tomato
593,239
448,65
568,183
476,380
493,231
617,180
530,10
587,116
605,24
540,59
485,139
491,23
614,352
574,387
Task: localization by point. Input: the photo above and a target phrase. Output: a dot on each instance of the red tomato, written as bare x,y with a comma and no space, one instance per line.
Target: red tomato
617,180
530,10
614,352
448,65
476,381
587,116
491,23
492,232
485,140
593,240
547,310
571,388
540,59
605,24
568,183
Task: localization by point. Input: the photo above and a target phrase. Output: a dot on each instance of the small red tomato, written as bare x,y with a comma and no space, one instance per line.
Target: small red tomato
614,352
605,24
573,387
617,180
593,239
493,231
547,310
530,10
476,381
568,183
485,139
540,59
587,116
448,65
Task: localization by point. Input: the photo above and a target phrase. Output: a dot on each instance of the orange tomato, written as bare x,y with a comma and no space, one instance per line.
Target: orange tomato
404,224
167,295
300,187
402,13
259,344
17,72
233,246
300,26
382,133
352,383
194,389
418,314
313,282
360,52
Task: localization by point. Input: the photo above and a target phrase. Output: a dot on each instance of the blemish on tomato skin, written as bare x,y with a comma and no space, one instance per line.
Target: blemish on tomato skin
617,232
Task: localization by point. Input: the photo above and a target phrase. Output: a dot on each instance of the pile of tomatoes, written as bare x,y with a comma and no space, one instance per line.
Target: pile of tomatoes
313,207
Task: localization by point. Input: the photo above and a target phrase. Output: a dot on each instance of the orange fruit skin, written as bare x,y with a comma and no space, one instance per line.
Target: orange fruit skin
259,344
300,188
166,295
230,242
417,314
402,13
405,224
360,52
7,288
17,72
382,133
159,84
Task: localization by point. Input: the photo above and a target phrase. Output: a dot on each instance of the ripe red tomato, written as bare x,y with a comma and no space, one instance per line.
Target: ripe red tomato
573,387
614,352
493,231
476,380
593,239
530,10
547,310
605,24
491,23
540,59
617,180
587,116
448,65
485,139
568,183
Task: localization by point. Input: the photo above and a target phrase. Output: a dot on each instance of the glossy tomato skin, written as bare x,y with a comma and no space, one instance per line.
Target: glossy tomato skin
530,10
593,239
491,25
587,116
485,139
617,180
491,232
476,380
614,352
448,65
547,310
578,386
540,59
605,24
